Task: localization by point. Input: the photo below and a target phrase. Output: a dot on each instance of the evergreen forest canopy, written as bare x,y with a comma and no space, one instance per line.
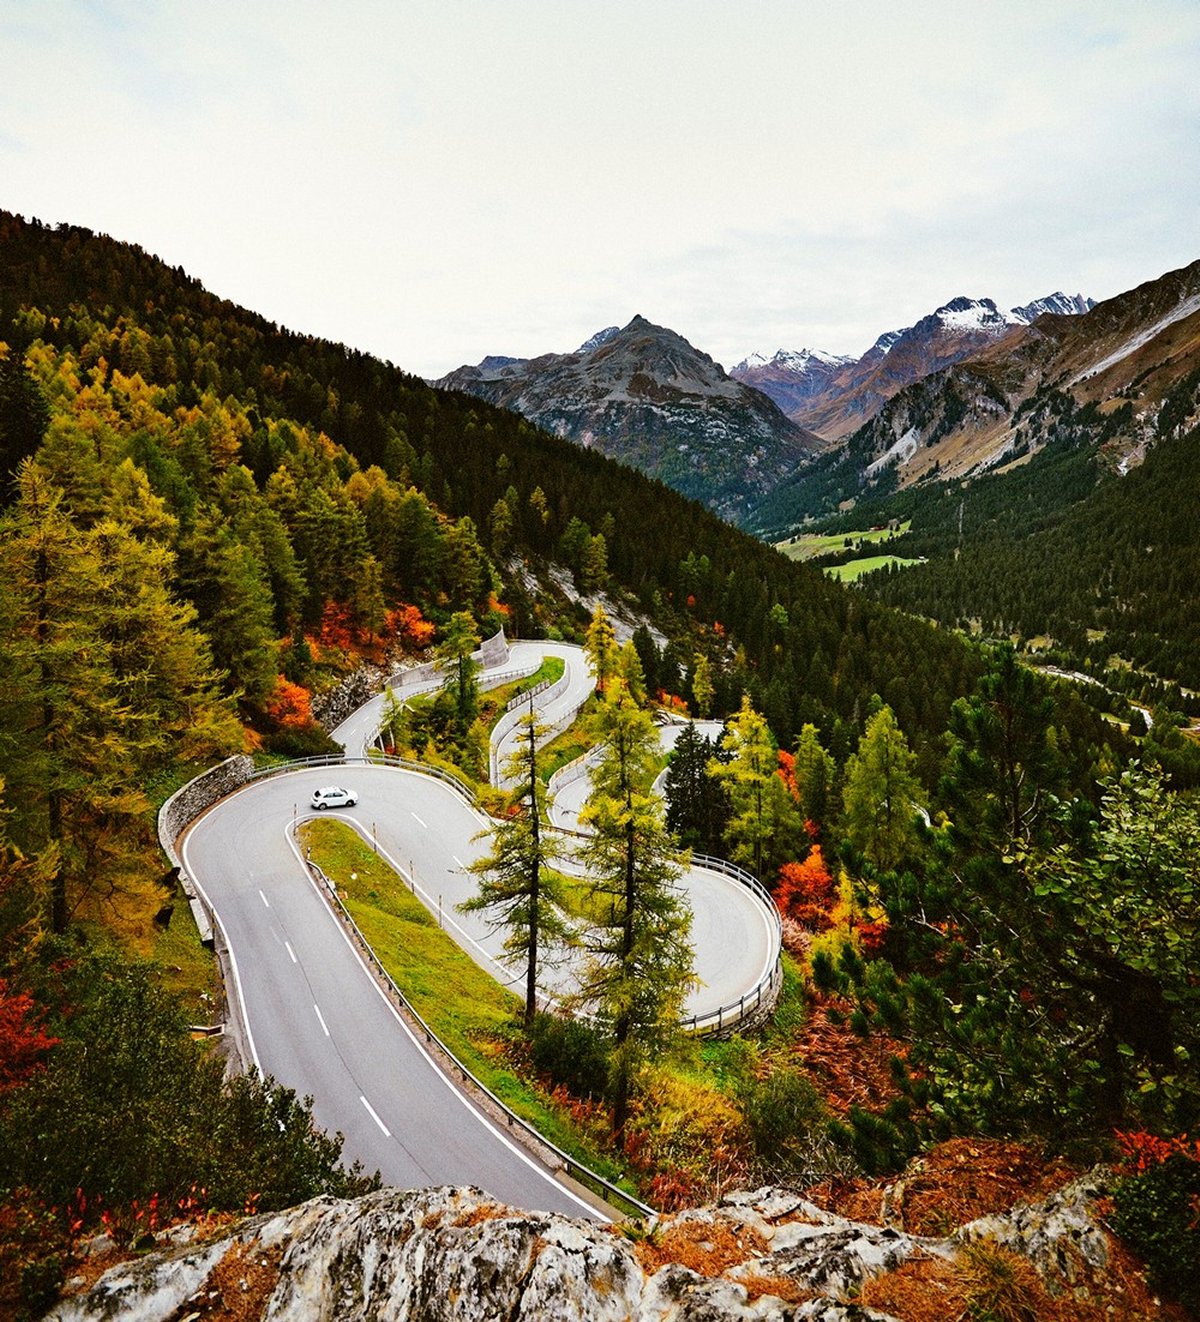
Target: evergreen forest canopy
208,519
1060,550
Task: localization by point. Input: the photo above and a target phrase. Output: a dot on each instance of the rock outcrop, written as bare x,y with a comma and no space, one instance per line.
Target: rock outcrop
453,1254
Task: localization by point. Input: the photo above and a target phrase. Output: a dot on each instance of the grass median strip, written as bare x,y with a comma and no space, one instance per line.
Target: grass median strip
469,1011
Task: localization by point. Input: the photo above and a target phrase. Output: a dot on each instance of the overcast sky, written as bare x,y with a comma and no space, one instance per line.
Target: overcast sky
436,180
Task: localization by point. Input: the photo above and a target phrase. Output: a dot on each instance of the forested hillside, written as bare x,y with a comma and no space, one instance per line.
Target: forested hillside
324,480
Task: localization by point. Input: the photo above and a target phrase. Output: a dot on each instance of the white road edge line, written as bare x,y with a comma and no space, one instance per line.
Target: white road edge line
513,1147
243,1012
387,1133
321,1018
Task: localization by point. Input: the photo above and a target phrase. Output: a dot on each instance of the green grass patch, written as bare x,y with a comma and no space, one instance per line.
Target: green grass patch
473,1014
493,702
568,745
854,569
188,968
811,545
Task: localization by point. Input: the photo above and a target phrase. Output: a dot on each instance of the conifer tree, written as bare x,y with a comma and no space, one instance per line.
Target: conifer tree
639,963
764,824
454,658
814,770
882,794
629,671
696,802
702,685
517,888
600,648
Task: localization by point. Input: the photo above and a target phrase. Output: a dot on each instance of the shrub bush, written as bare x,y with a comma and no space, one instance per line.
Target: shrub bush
1156,1215
571,1053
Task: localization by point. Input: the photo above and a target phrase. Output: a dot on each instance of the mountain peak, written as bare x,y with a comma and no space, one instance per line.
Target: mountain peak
600,337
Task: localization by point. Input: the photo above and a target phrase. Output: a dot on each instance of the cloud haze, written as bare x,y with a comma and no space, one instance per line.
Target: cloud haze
437,181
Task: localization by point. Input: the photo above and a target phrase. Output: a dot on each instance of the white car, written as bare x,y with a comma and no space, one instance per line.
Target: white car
333,796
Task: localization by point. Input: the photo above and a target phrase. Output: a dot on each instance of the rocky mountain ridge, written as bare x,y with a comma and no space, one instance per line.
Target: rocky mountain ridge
834,395
1008,400
1109,379
644,395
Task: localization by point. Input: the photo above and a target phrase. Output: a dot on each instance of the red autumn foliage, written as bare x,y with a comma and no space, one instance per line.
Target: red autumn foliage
410,626
290,705
805,891
1143,1151
337,626
22,1042
872,935
787,773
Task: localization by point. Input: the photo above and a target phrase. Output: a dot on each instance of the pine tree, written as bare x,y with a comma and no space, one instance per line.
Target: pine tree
814,770
517,889
696,802
455,660
639,963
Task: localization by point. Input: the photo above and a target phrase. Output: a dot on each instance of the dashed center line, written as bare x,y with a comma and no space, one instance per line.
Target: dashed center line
264,898
321,1019
288,947
387,1133
419,822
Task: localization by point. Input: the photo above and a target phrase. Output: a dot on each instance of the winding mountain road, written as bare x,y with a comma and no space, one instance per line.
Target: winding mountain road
315,1017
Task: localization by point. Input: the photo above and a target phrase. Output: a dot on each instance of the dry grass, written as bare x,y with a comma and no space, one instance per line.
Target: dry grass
709,1248
955,1182
238,1287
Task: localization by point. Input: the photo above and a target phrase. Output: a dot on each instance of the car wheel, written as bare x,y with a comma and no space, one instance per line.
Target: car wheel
322,806
351,802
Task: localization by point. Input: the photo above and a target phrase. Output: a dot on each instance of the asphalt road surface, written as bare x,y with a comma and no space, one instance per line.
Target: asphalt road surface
315,1018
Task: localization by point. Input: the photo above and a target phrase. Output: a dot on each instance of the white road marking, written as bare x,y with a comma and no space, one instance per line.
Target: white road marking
264,899
321,1018
419,820
291,952
458,860
387,1133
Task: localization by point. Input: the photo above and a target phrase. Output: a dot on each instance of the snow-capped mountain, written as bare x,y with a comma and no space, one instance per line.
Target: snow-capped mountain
1062,305
1117,377
644,395
833,396
792,377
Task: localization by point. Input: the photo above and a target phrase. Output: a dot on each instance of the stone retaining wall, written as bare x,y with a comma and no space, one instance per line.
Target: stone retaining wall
184,806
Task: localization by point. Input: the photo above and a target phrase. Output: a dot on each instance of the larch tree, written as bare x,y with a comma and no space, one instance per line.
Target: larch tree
639,961
518,889
105,680
763,825
702,685
882,794
600,648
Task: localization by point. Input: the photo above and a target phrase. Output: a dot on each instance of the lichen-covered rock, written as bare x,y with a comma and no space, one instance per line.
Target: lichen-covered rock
447,1254
1060,1235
